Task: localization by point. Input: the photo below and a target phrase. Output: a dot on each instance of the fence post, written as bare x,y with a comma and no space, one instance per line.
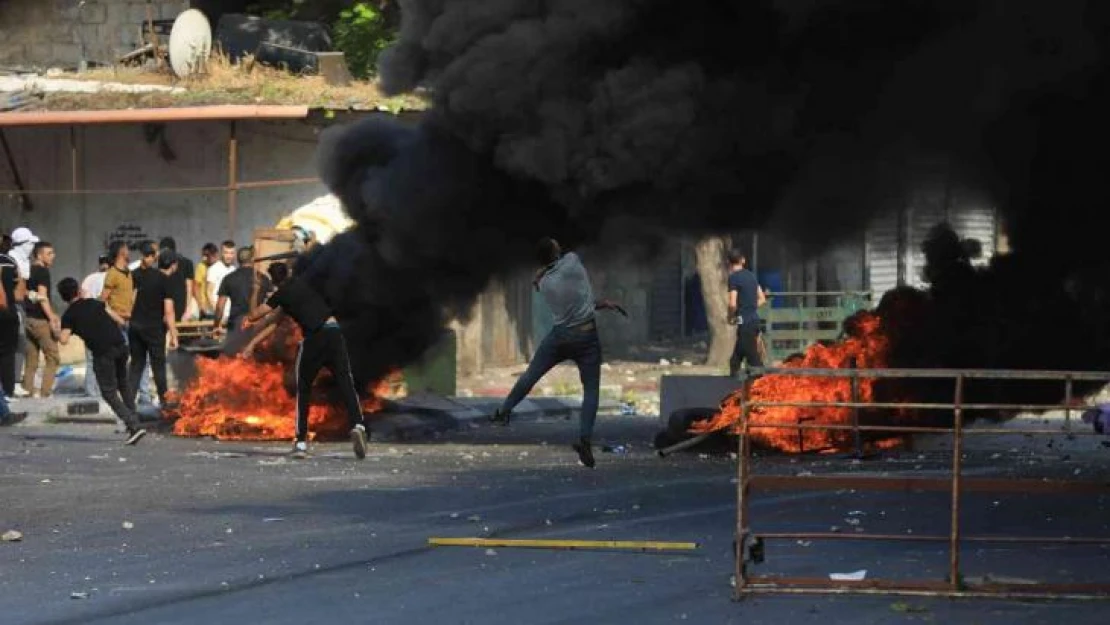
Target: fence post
1067,405
742,471
854,384
957,453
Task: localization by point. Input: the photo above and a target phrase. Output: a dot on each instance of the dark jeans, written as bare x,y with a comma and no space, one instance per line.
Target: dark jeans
110,369
325,347
9,347
747,348
580,344
144,343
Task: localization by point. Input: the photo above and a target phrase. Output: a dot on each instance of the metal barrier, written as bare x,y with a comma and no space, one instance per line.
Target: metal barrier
793,321
750,546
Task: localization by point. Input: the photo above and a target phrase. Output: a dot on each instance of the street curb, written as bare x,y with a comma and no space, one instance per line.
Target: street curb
417,418
413,418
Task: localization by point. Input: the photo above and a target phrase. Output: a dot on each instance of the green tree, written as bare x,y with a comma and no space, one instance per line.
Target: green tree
360,29
361,32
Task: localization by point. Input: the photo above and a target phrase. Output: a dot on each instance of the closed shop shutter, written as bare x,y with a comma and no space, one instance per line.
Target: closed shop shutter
882,255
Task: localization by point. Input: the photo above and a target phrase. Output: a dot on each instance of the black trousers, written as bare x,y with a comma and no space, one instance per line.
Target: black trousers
144,343
111,373
9,347
325,347
746,348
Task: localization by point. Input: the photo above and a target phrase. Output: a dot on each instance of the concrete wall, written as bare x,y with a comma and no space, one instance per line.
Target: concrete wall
501,331
48,33
146,156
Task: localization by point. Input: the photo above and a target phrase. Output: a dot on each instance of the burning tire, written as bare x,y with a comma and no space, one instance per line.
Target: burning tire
678,428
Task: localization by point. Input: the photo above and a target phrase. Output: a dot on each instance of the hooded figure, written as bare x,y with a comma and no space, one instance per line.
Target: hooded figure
23,242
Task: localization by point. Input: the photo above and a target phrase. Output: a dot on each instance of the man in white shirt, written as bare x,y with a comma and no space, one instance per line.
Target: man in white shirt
91,288
23,243
217,271
93,284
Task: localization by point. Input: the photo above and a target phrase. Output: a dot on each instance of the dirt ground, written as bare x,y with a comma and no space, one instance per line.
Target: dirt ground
632,379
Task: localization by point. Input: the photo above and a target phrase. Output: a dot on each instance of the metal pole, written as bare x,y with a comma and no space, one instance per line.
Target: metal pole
16,177
75,185
682,312
742,490
957,452
755,252
1067,404
854,383
686,444
232,181
73,168
153,35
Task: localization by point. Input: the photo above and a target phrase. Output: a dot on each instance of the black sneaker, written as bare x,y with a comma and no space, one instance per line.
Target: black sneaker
12,418
358,440
500,417
585,452
300,450
134,436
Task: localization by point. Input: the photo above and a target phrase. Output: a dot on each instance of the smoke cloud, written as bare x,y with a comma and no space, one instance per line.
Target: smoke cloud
616,123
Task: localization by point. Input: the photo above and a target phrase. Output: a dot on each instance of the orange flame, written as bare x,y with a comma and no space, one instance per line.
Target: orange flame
867,347
246,398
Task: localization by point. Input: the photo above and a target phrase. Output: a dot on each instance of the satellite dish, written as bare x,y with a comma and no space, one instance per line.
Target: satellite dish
190,43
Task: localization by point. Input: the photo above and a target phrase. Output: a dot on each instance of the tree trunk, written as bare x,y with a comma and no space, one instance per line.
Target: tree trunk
710,258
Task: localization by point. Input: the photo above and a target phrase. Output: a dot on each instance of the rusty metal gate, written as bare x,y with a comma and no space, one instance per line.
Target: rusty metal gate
750,546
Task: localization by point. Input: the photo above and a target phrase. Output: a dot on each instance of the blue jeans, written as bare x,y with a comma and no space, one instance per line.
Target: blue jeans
91,389
4,409
578,343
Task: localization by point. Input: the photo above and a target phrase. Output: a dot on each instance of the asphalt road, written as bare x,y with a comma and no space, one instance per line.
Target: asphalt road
197,531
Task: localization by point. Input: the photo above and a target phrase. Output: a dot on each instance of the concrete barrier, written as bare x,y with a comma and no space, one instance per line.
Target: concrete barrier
678,392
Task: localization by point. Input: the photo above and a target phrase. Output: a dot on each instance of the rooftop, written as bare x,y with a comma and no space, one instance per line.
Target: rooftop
109,89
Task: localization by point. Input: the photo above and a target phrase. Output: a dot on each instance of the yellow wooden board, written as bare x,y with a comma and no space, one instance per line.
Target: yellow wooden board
563,544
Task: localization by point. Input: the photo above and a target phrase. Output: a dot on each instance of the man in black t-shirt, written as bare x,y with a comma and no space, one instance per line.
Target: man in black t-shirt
744,298
181,280
43,324
237,287
151,318
9,321
323,346
98,326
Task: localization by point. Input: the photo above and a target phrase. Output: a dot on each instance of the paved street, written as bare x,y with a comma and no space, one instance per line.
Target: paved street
196,531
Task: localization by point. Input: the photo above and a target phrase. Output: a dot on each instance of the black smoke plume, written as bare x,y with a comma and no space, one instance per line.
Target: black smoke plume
615,123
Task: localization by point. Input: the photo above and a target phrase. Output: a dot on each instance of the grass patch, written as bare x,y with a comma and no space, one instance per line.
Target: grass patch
225,82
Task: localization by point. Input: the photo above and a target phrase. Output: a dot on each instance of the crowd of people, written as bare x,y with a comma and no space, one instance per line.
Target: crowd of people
126,313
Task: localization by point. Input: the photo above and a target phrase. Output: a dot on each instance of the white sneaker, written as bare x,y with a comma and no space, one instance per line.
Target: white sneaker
20,391
300,450
358,440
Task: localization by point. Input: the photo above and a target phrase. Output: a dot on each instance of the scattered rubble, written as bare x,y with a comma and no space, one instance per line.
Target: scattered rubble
11,536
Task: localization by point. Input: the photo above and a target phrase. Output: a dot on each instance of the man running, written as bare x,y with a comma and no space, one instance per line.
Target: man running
323,346
99,327
565,286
